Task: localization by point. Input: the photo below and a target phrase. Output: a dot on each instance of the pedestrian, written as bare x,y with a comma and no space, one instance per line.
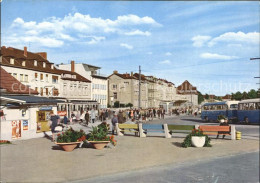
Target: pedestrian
65,120
120,117
54,122
225,123
87,117
93,115
114,121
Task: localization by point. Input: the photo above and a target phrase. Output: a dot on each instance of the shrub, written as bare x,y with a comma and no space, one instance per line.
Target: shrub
187,141
71,135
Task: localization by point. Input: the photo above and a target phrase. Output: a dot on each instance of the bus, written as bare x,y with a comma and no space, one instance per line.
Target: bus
249,111
211,111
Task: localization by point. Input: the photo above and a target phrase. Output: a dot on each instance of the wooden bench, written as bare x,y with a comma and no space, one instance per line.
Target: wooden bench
181,128
152,128
127,128
216,130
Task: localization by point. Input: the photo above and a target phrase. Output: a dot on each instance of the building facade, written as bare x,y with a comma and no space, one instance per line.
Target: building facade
99,83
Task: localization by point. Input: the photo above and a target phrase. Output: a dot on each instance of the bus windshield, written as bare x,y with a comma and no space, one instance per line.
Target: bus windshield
233,106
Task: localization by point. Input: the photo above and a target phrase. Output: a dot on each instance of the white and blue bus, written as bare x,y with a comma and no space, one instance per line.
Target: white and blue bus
211,111
249,111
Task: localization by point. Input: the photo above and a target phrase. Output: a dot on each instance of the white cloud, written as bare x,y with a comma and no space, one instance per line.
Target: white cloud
165,62
168,54
138,32
217,56
130,47
71,25
199,41
95,39
233,37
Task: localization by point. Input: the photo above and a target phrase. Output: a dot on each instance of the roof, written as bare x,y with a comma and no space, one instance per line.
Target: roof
142,76
99,76
124,76
250,100
19,57
33,99
186,88
12,85
215,103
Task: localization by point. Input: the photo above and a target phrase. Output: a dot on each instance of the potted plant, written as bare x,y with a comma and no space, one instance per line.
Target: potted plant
197,139
69,139
99,138
222,118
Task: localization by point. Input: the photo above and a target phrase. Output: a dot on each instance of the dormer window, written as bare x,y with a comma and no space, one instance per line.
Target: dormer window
44,64
23,63
35,63
52,66
12,61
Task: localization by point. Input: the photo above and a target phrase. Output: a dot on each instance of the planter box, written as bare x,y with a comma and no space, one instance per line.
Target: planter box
198,141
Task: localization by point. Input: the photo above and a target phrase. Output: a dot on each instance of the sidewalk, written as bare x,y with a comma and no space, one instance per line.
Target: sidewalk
40,160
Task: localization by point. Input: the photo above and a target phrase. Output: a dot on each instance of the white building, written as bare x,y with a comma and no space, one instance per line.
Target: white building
99,88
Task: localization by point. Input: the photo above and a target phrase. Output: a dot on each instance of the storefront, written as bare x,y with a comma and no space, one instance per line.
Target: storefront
24,117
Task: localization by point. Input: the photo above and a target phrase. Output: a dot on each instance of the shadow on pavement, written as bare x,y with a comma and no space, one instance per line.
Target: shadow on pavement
177,144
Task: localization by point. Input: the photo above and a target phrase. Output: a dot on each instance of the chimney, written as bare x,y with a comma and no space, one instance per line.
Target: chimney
25,51
132,74
72,63
43,54
115,72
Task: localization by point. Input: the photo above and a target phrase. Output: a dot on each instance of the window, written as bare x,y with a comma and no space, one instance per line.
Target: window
54,79
26,78
41,76
21,77
46,78
115,95
35,63
52,66
36,76
47,91
41,91
23,63
12,61
114,86
15,75
44,64
36,89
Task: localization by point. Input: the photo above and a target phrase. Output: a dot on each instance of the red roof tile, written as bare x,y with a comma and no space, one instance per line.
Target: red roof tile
12,85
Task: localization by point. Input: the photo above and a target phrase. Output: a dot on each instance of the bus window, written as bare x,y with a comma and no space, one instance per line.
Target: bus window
219,107
251,106
233,106
224,107
257,106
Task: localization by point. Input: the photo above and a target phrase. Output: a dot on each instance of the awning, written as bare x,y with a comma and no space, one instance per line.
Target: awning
30,99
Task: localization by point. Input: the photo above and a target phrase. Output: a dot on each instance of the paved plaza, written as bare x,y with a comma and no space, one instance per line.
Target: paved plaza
40,160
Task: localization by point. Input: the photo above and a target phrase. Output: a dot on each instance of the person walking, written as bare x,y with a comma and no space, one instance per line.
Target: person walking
93,115
87,117
114,121
54,122
120,117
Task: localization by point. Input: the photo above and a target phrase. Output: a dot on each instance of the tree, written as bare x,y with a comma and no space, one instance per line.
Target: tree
116,104
129,105
122,105
200,98
206,96
252,94
244,95
238,95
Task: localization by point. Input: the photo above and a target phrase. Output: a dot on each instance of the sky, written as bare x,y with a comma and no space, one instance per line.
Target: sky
207,43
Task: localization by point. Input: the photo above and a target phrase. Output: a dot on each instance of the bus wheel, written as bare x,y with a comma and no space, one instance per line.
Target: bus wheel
206,119
246,120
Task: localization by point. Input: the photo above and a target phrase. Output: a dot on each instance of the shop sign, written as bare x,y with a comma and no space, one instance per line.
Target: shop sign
25,124
62,113
16,129
45,108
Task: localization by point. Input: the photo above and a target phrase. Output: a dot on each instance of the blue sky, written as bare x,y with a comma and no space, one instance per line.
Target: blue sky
206,43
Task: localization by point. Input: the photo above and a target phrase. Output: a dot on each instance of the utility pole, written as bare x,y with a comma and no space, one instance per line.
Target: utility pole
259,60
139,98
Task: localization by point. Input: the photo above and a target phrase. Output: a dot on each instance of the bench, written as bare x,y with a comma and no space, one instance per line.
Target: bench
127,128
181,128
151,128
216,130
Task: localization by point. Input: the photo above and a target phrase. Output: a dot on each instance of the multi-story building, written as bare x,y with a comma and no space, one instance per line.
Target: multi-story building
187,92
99,88
125,89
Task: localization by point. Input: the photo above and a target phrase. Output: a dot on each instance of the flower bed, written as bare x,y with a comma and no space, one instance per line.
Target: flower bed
5,142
